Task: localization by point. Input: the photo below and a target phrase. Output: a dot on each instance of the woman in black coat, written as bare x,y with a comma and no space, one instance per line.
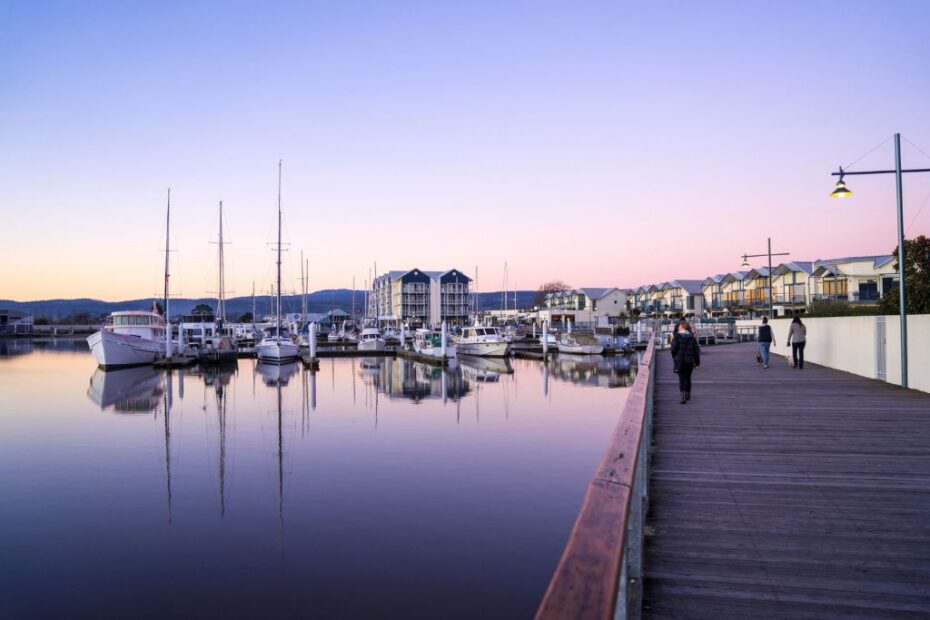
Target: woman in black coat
687,356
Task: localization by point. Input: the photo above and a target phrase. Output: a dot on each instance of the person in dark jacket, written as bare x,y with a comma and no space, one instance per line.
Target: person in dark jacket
687,356
765,342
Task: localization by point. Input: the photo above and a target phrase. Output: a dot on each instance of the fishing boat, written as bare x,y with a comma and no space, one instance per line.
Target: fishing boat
128,338
370,339
481,340
277,349
428,342
579,344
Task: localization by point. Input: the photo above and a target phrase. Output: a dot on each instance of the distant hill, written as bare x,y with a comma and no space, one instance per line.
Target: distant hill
319,301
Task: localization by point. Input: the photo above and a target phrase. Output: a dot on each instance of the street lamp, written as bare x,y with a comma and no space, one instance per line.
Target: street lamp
842,192
746,265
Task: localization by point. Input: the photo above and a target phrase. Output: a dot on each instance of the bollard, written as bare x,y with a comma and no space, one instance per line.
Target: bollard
311,337
534,330
181,339
568,325
545,338
403,336
443,339
167,339
639,331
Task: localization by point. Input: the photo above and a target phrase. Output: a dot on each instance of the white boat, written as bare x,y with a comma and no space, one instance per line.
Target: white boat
334,335
428,342
484,341
129,338
130,390
278,349
391,335
579,344
370,339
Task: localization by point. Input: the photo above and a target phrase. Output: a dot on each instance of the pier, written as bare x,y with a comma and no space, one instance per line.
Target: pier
774,493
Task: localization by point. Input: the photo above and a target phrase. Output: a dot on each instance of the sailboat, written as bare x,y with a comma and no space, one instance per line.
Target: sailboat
277,349
219,347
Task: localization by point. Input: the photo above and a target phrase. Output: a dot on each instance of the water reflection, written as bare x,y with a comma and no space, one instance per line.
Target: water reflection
334,493
593,370
128,390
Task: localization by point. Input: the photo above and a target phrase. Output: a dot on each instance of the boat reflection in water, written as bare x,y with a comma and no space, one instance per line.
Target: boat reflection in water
129,390
485,369
277,374
593,370
401,378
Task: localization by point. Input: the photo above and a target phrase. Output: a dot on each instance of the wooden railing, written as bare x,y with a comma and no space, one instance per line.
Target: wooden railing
600,573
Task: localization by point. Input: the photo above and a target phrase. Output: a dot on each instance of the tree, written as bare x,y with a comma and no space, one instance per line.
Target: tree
916,278
245,318
202,309
41,320
552,286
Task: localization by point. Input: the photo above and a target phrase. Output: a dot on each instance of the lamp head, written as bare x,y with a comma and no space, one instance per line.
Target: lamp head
841,190
745,264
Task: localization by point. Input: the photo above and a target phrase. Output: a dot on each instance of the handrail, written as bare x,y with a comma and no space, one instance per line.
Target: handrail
603,556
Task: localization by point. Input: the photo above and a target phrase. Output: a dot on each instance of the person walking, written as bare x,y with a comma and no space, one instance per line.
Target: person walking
797,339
765,342
687,356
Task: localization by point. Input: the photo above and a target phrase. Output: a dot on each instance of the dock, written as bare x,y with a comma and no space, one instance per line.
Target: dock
785,493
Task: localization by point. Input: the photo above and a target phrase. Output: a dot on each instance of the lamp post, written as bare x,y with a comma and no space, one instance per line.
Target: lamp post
842,192
745,264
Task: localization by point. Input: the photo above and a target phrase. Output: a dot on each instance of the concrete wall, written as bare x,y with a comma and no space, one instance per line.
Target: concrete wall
851,344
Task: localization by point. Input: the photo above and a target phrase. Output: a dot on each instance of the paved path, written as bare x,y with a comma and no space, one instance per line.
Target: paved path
786,493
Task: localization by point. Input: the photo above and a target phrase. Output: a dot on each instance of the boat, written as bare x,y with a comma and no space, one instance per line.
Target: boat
128,338
370,339
334,335
277,349
428,342
579,344
481,340
218,350
130,390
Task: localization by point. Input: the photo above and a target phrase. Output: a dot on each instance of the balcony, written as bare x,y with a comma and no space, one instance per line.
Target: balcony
790,299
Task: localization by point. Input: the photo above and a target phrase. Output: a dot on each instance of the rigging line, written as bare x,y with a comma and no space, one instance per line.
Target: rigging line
917,147
875,148
923,204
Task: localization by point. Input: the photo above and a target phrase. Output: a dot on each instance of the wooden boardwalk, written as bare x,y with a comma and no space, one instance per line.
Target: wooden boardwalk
786,493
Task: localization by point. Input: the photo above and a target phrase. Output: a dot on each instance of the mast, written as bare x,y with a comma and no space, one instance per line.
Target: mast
278,309
353,298
221,292
167,277
253,303
303,287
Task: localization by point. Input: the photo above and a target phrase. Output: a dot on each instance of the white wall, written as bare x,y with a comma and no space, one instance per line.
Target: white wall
850,344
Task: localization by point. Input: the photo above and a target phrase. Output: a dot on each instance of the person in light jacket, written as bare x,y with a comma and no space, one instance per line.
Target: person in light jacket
797,338
687,356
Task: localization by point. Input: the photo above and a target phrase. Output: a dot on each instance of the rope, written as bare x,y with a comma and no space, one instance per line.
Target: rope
875,148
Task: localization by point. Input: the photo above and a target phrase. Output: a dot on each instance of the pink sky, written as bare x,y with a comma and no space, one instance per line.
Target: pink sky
598,145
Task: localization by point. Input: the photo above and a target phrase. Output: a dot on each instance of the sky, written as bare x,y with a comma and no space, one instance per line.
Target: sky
599,143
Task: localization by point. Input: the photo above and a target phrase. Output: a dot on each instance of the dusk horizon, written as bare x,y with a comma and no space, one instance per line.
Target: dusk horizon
598,145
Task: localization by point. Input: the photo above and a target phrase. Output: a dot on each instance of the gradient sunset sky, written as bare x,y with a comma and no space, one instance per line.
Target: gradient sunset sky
598,143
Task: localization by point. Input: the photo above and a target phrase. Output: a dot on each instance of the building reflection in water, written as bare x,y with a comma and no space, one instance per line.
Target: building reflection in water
593,370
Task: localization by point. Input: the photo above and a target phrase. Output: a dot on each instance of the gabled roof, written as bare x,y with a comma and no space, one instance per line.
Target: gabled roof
796,267
826,270
717,279
692,287
597,293
735,276
877,261
758,272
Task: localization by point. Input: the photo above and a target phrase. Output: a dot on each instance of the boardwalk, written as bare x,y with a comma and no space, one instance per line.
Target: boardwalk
787,494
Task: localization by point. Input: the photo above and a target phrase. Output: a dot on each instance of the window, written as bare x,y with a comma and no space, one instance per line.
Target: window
868,290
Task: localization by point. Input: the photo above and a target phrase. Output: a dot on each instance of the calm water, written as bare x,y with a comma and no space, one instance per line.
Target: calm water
372,488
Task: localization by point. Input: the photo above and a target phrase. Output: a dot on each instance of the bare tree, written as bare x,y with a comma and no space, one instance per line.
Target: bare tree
552,286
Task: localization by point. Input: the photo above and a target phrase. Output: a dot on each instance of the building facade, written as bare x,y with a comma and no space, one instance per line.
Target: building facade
421,297
585,306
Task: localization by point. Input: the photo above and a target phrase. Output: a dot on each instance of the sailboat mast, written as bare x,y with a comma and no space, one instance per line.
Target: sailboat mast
167,277
353,299
303,287
221,301
278,313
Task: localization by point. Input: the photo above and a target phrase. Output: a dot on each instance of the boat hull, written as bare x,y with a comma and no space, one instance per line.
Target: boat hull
581,349
371,345
111,350
435,351
277,352
483,349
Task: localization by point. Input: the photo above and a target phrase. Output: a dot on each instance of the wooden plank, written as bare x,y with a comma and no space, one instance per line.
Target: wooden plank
787,493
